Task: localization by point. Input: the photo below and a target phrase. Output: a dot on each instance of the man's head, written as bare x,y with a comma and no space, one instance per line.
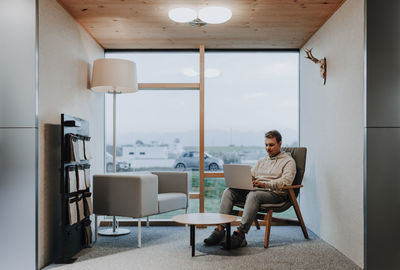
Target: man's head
273,142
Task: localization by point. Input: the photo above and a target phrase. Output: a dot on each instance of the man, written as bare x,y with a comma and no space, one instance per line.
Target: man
269,174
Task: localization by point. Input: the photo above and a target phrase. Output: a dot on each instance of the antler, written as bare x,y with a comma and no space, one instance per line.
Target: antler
321,63
310,56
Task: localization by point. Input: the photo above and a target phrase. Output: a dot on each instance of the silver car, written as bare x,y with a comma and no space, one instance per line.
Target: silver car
190,160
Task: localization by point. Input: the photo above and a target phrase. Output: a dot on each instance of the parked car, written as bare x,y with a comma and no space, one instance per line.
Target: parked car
122,166
190,160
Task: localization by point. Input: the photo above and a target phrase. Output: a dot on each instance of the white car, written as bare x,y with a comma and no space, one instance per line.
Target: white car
122,166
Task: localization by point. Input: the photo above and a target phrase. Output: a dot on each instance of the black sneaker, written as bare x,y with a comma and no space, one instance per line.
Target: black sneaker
237,240
215,238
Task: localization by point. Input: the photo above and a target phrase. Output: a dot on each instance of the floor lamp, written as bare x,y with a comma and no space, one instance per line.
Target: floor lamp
114,76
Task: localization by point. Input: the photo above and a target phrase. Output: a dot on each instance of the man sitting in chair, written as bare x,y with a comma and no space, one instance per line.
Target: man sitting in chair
270,173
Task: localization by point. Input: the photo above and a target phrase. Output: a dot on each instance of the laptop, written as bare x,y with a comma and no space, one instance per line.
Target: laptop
238,176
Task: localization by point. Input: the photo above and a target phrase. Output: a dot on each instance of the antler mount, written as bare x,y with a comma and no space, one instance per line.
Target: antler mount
321,63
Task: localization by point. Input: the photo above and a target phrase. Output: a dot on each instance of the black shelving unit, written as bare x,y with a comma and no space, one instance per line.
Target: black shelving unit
72,237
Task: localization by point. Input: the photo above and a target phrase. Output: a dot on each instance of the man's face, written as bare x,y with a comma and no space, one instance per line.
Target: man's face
272,146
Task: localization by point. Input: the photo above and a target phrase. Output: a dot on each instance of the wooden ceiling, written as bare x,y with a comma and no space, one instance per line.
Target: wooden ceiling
255,24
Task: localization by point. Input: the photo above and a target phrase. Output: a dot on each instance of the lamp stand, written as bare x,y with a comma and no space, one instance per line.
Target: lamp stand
115,231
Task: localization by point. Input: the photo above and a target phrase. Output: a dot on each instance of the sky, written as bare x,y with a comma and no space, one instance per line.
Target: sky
246,94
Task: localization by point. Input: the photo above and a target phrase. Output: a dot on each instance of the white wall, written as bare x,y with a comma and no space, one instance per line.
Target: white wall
66,54
331,127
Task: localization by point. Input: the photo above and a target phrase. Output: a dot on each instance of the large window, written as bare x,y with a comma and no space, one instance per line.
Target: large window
246,94
155,128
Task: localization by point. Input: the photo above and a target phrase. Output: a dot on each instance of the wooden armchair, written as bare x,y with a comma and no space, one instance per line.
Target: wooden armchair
266,210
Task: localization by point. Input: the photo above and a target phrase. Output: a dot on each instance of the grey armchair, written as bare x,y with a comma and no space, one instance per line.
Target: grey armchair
173,191
139,195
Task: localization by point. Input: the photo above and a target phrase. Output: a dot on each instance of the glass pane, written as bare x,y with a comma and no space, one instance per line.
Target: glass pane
154,128
163,67
213,189
247,94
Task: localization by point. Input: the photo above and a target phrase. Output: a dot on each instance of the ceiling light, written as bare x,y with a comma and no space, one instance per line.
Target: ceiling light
182,15
197,23
215,15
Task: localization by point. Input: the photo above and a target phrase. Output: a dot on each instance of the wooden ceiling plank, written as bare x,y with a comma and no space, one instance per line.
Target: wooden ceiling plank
140,23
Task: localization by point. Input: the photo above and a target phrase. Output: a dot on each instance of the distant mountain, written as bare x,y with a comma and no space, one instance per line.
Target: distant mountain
212,137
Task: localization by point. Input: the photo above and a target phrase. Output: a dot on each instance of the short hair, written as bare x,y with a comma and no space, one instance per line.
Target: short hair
274,134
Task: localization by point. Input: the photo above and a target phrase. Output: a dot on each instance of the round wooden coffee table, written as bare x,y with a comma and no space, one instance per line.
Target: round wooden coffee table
206,219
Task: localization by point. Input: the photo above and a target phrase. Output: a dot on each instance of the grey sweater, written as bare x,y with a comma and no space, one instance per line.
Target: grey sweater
276,171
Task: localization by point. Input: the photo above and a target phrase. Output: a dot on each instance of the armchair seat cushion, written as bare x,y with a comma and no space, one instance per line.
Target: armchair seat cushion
171,201
277,207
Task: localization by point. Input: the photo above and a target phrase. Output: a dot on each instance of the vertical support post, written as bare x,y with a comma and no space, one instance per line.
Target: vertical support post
201,143
192,238
95,228
228,235
114,131
114,224
139,227
148,222
186,226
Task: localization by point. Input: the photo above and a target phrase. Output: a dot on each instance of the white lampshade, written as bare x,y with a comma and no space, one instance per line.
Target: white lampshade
114,75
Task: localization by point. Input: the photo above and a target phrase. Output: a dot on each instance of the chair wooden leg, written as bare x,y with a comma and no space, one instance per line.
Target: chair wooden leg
267,219
296,207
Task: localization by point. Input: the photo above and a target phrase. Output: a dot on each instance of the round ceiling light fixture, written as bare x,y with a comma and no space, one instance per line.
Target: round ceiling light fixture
182,15
215,15
207,15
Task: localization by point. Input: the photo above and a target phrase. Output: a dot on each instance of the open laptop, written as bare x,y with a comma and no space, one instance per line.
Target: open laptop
238,176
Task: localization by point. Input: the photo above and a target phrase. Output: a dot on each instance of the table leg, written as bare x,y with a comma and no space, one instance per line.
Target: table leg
228,235
192,238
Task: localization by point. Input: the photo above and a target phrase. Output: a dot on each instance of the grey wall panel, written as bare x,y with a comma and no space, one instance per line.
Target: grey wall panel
383,63
18,63
383,199
18,198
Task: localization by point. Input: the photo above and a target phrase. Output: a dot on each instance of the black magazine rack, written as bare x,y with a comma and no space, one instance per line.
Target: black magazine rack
76,208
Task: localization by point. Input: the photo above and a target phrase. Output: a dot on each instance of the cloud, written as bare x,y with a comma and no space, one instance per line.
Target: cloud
208,73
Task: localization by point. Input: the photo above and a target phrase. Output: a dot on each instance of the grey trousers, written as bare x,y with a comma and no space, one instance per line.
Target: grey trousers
252,200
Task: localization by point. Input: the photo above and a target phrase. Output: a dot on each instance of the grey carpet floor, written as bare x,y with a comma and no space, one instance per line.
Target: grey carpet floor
168,248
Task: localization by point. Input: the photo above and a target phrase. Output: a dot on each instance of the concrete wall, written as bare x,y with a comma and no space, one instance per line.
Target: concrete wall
331,127
66,54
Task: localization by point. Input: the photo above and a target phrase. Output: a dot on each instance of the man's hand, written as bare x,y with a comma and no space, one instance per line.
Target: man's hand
259,184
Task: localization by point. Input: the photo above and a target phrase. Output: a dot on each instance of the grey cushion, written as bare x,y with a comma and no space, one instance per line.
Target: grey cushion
265,206
125,195
172,182
299,155
171,201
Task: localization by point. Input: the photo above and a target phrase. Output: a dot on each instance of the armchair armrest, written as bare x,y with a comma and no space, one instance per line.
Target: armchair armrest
125,195
291,187
176,182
